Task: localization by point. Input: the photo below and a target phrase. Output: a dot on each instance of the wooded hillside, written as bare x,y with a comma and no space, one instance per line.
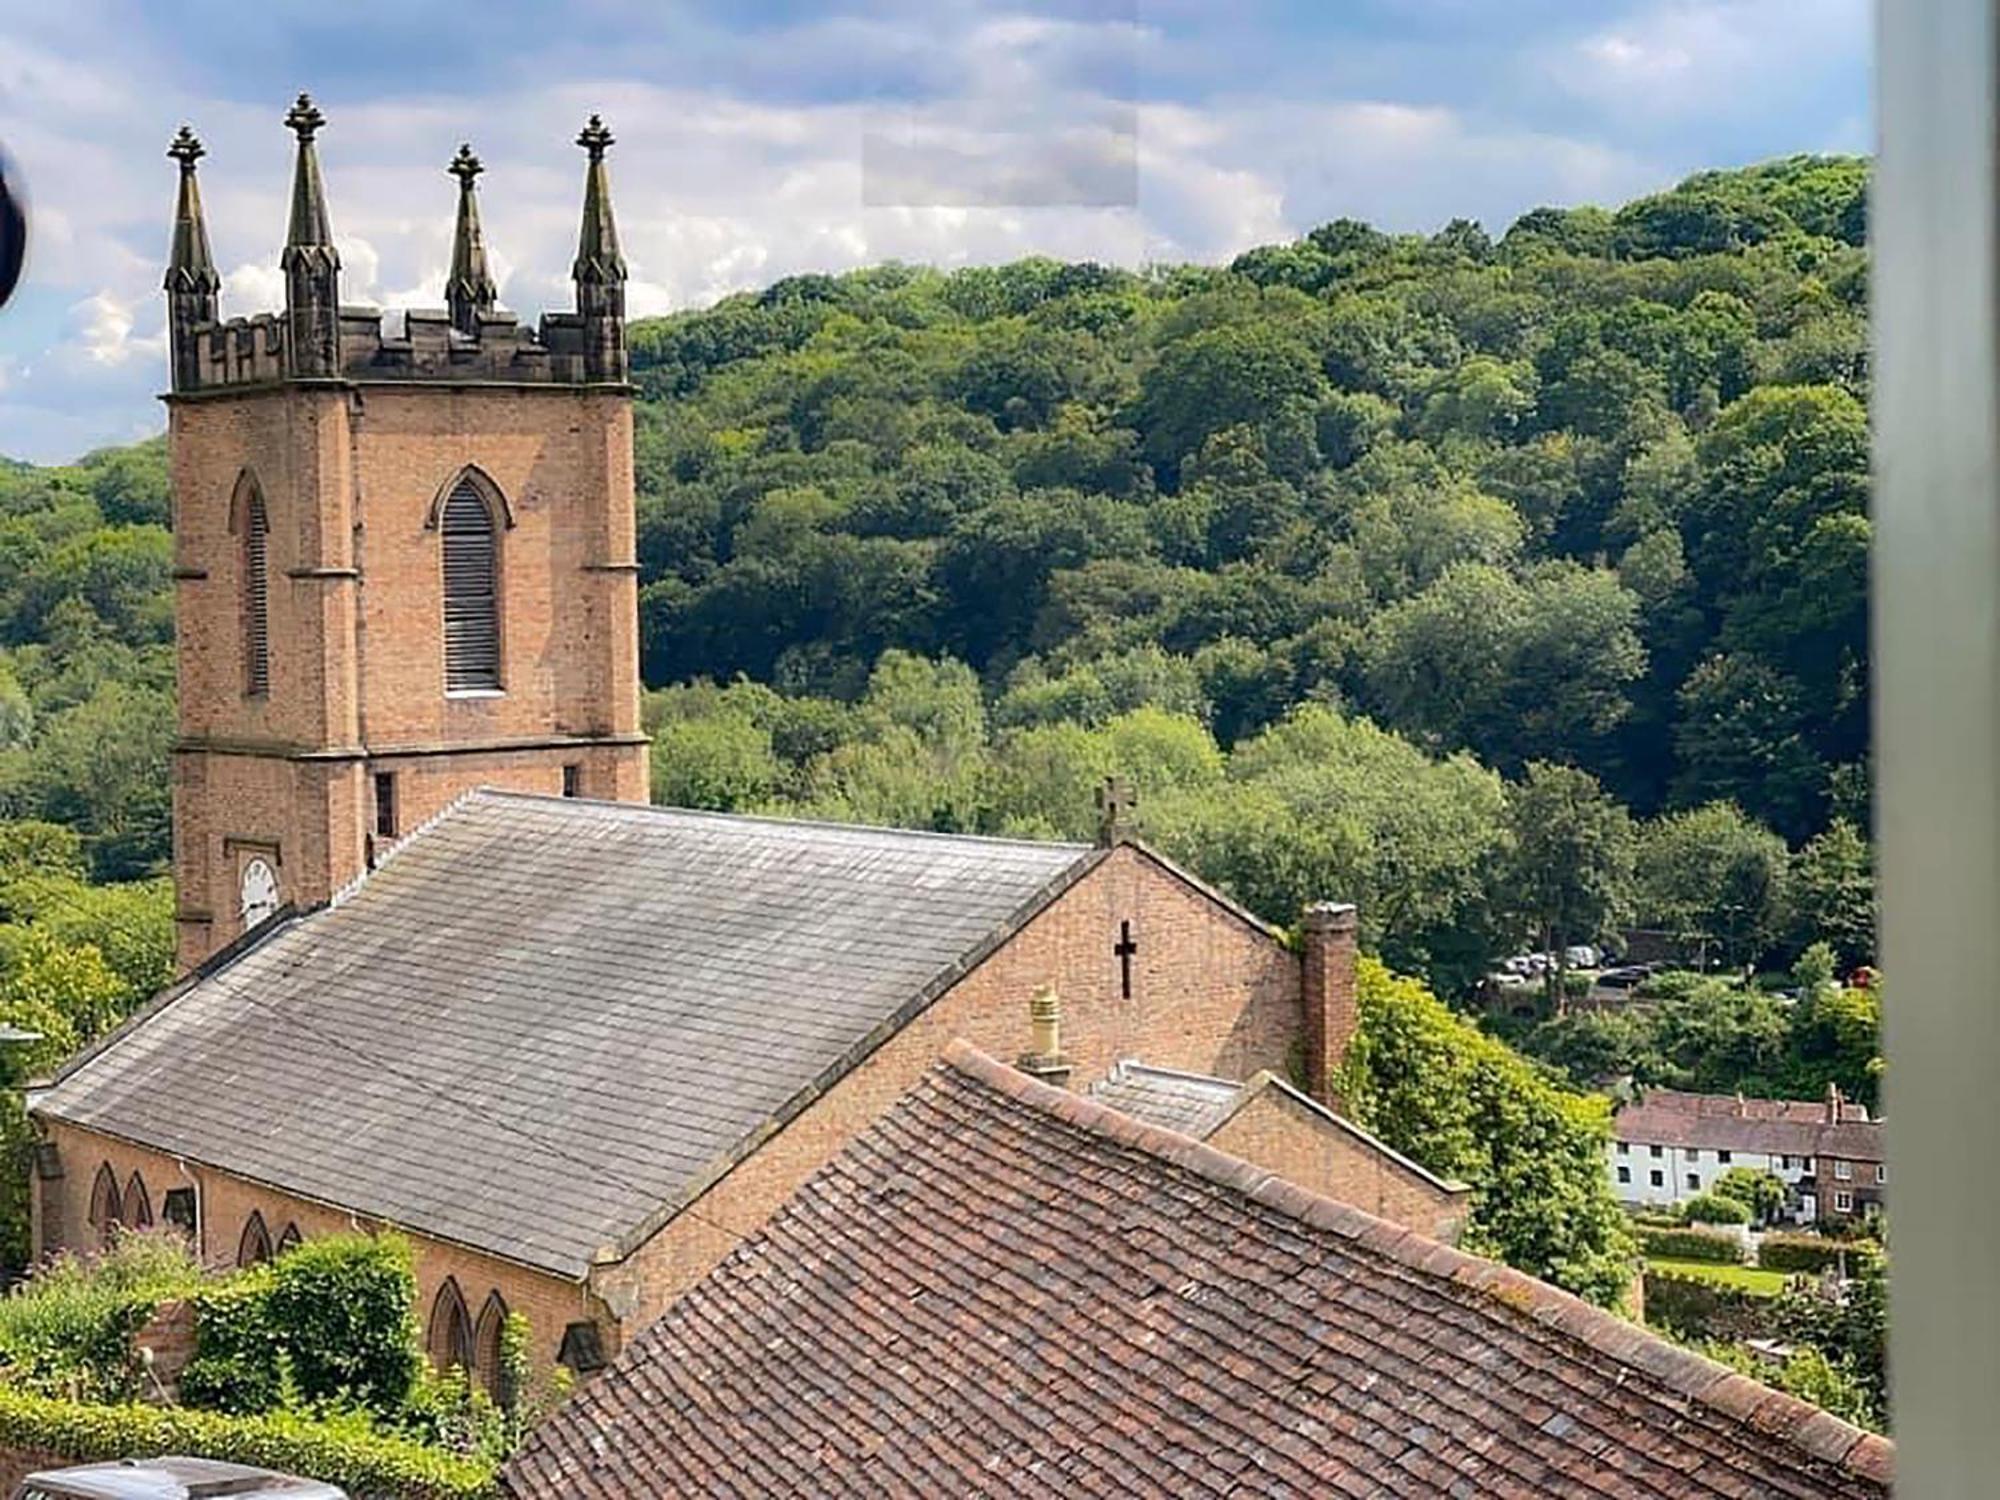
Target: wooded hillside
1324,549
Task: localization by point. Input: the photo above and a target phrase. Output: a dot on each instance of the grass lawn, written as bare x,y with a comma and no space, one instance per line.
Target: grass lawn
1753,1279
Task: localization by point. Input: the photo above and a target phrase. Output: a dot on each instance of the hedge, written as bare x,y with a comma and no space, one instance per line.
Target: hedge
1714,1208
333,1316
341,1451
1806,1252
1692,1244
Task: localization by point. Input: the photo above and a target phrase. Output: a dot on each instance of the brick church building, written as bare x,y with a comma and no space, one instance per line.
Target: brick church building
446,969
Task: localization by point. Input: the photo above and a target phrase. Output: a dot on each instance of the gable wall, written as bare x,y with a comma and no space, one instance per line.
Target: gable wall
1210,994
226,1202
1281,1135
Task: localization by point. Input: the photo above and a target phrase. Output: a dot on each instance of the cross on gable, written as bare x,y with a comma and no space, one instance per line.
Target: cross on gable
1125,948
1116,805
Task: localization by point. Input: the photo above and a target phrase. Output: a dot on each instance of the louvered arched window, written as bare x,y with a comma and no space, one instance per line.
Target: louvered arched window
256,597
449,1339
471,592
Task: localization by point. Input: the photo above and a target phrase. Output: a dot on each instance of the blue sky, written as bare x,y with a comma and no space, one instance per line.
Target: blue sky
762,138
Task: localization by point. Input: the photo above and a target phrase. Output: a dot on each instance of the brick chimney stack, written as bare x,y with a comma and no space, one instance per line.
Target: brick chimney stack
1833,1104
1326,987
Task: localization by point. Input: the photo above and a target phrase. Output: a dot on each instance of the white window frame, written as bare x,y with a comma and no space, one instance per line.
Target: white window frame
1843,1203
1843,1171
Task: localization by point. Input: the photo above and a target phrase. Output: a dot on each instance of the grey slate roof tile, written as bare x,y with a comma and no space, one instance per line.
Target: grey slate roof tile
541,1021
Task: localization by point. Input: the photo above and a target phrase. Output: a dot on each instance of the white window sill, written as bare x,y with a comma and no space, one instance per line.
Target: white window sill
456,693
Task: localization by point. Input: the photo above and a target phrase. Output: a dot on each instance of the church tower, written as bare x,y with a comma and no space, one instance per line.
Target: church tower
403,561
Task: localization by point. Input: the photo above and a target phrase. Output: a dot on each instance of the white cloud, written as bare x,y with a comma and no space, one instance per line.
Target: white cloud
103,324
1675,58
1020,133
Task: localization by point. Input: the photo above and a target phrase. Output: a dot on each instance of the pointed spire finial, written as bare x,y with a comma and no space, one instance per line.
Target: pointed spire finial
304,118
470,290
310,261
310,226
595,137
192,282
599,270
186,148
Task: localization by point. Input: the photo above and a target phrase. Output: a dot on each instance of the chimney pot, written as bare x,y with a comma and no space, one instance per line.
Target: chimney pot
1044,1058
1328,931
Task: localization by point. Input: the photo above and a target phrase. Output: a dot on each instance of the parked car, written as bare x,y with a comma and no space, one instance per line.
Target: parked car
1623,979
171,1479
1581,956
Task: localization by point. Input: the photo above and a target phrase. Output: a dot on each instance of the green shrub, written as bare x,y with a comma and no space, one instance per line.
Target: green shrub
1692,1244
1810,1253
67,1329
238,1354
332,1321
1757,1189
1714,1208
346,1305
344,1450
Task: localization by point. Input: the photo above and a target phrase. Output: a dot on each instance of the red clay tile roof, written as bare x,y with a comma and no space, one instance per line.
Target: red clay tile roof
1001,1287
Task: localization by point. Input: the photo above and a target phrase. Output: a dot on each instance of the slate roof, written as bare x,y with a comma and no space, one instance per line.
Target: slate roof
1002,1288
1728,1122
1191,1103
543,1024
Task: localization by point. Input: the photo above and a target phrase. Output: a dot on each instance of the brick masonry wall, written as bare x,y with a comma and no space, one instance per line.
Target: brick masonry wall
226,1203
16,1464
349,481
1210,994
1282,1135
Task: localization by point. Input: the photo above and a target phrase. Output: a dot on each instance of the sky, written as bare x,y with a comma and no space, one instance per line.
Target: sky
761,138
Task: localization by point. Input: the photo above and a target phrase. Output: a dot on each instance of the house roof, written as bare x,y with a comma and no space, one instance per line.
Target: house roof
1197,1105
1192,1103
1729,1122
543,1025
1001,1287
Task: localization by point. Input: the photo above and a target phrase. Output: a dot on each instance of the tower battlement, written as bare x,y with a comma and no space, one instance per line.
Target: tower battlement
250,351
316,338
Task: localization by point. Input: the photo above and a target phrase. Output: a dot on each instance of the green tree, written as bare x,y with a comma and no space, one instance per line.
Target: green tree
1570,870
1430,1084
1833,893
1715,879
1320,807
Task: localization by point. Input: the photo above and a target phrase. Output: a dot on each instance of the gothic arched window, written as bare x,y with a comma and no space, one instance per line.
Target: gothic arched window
290,1239
255,1246
136,1211
471,590
486,1360
256,530
449,1339
104,1207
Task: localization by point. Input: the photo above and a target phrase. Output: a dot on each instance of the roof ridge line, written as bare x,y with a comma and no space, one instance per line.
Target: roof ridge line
1815,1432
707,814
1184,1074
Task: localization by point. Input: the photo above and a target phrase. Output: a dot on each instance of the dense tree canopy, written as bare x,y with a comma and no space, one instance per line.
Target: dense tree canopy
1309,546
